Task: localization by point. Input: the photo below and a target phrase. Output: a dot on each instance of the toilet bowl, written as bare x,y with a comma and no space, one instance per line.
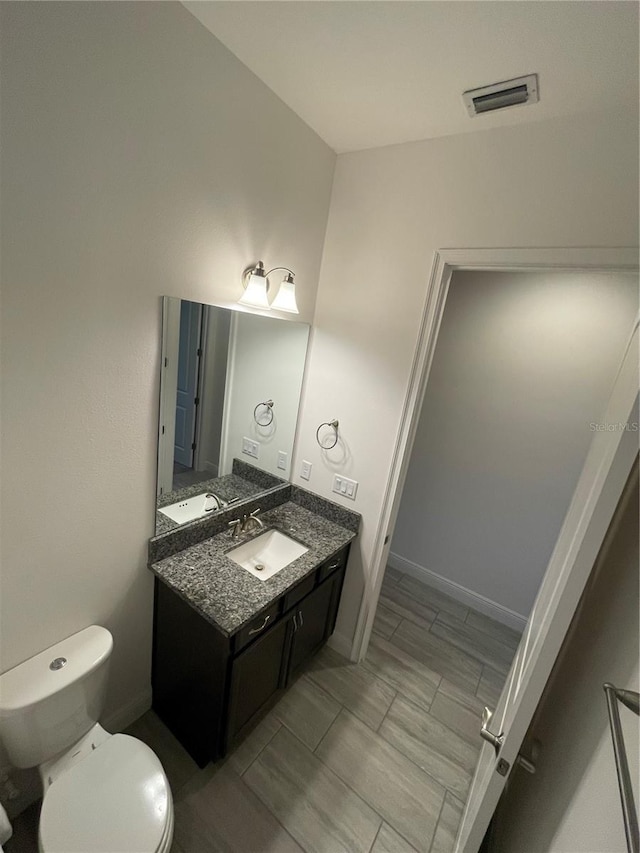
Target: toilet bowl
114,797
102,792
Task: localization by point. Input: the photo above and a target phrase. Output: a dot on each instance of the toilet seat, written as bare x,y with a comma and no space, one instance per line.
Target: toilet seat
115,799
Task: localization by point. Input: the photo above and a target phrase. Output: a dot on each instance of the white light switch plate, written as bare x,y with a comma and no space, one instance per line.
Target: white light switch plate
345,487
305,470
282,460
251,447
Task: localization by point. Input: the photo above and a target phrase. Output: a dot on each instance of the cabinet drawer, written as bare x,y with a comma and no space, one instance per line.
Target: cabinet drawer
332,564
299,591
257,626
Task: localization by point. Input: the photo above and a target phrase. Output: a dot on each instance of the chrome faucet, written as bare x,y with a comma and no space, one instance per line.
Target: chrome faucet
220,502
242,525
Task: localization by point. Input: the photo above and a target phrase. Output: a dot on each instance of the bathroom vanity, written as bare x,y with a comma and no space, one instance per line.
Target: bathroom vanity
226,643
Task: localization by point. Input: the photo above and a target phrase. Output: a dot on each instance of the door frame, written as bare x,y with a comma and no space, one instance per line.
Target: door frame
168,387
445,263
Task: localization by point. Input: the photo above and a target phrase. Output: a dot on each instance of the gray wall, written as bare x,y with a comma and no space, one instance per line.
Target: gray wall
523,364
139,158
572,801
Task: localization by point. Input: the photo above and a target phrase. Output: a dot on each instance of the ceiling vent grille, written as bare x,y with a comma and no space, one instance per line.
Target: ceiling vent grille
499,96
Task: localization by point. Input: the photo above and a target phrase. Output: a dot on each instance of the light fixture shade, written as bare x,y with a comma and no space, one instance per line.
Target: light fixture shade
255,294
286,297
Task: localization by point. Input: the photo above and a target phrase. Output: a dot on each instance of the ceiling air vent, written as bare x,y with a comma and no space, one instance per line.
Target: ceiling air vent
499,96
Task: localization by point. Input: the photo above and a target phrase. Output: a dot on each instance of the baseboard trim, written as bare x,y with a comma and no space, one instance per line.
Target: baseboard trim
460,593
123,717
341,644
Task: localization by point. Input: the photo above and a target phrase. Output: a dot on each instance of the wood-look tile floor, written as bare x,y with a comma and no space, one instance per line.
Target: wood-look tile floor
356,758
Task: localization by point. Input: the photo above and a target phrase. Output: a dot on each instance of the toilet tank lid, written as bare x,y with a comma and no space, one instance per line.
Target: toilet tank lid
35,679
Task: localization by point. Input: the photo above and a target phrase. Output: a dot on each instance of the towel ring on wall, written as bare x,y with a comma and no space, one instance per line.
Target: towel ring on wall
268,404
334,426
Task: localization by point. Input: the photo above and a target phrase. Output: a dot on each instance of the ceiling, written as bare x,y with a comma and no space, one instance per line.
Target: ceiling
367,73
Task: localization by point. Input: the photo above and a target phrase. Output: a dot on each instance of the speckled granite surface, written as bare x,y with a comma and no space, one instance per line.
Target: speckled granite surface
255,475
226,594
330,510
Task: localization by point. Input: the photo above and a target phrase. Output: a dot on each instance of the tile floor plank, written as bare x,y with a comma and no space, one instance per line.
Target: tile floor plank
405,605
392,575
315,806
447,829
386,621
460,710
388,841
352,685
405,797
225,815
495,629
438,654
430,744
246,752
490,686
476,644
432,597
307,710
402,671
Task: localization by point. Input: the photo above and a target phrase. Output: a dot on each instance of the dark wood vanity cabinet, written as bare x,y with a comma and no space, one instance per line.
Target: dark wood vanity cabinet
210,689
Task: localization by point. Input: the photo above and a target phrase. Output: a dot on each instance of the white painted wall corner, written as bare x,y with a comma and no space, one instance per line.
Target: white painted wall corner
341,644
127,714
460,593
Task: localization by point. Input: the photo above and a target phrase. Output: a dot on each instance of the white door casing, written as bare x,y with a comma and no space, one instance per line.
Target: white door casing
168,384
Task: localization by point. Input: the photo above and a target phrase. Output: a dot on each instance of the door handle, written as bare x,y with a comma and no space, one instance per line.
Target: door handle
262,627
495,740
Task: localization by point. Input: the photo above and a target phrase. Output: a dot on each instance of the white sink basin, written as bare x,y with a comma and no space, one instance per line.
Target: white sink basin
267,554
190,509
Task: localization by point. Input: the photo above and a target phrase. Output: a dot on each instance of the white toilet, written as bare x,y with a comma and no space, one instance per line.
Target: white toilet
102,793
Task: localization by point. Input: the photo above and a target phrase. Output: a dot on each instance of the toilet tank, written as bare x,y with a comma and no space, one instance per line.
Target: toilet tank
51,700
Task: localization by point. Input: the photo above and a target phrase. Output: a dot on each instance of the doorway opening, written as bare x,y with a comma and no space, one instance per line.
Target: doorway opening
471,546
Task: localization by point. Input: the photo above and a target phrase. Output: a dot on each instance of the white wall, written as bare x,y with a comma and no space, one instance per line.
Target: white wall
566,182
139,158
524,363
266,362
572,802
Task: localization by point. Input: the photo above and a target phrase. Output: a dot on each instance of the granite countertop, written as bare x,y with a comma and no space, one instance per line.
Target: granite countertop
227,595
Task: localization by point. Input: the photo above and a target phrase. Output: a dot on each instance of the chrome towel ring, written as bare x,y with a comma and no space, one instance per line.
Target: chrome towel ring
268,405
332,425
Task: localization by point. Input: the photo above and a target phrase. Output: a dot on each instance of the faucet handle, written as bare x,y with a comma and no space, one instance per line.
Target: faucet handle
254,513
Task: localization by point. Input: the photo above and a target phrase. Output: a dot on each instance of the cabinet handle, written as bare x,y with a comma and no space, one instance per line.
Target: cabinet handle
301,618
262,627
334,565
295,623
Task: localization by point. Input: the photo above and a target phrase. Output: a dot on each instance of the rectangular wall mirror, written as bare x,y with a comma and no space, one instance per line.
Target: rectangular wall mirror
230,385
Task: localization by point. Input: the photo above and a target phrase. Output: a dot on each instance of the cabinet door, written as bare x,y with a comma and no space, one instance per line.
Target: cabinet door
256,676
310,624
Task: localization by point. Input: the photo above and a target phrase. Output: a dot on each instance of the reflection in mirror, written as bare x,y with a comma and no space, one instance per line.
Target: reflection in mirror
230,386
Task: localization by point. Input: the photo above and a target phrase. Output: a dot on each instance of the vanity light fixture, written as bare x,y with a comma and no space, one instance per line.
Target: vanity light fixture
254,280
286,297
256,283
